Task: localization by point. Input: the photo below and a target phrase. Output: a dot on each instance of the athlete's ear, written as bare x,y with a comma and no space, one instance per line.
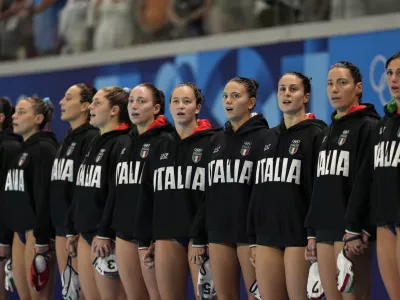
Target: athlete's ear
359,88
85,106
39,119
306,98
252,103
198,108
115,110
156,109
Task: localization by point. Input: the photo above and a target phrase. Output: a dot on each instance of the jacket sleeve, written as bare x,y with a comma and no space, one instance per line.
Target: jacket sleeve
6,235
309,219
143,225
42,166
69,216
357,212
255,188
7,156
105,230
309,173
250,226
198,231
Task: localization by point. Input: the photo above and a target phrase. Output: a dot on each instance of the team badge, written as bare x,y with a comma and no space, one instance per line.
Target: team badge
71,149
245,148
343,137
196,156
294,147
22,159
100,155
145,150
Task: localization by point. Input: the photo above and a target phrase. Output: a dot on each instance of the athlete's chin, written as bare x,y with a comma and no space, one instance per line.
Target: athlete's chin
290,110
94,123
16,131
182,122
336,105
65,118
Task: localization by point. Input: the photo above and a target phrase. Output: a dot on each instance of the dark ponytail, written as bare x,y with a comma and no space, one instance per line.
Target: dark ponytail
8,110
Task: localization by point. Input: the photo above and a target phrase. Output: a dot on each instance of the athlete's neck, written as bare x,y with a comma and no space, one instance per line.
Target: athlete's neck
110,126
186,130
292,119
237,123
143,127
343,111
29,134
78,122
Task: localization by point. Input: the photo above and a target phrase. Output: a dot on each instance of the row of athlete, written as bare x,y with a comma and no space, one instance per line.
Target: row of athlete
167,198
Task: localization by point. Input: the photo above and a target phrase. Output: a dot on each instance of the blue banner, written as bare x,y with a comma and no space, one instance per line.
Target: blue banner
211,70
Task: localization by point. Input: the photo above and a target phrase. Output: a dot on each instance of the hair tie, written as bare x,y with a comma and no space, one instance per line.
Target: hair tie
46,100
127,90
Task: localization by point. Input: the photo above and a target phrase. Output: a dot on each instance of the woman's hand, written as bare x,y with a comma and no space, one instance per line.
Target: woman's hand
253,255
197,255
72,245
354,243
102,246
148,258
311,250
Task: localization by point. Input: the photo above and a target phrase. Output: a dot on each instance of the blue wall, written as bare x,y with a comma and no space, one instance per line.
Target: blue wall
211,70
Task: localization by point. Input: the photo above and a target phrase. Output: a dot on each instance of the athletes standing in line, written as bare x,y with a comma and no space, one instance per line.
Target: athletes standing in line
146,109
281,194
172,192
386,177
108,112
74,110
25,208
229,185
340,203
9,147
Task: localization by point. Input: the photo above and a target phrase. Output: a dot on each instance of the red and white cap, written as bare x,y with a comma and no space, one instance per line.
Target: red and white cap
40,271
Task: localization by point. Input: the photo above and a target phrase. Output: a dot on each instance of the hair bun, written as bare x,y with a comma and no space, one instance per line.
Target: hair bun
127,90
46,100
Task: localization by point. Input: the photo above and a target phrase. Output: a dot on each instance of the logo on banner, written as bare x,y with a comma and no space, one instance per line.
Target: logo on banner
145,150
343,137
100,155
377,77
22,159
245,148
196,156
71,149
294,146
